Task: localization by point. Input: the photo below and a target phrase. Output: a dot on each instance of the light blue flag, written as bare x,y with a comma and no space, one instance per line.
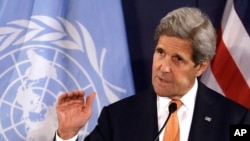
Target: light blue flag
52,46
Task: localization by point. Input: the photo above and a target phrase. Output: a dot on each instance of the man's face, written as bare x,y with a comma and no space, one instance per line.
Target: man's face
173,70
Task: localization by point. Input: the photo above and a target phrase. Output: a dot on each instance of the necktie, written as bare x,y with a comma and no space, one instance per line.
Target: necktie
172,131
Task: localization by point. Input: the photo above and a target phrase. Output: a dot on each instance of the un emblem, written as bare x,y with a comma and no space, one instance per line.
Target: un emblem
40,58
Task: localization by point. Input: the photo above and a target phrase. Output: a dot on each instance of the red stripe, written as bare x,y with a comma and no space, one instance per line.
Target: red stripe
228,75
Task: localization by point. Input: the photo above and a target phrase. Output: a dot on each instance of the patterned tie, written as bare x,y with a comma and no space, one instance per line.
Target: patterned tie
172,131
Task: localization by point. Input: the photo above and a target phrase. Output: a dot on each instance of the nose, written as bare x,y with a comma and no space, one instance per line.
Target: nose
165,65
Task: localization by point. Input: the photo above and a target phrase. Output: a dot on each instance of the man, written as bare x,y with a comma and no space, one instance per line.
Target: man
185,44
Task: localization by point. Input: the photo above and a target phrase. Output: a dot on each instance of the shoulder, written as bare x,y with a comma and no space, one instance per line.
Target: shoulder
144,102
135,100
218,100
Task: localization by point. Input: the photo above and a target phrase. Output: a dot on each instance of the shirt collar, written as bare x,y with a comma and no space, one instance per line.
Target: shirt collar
188,99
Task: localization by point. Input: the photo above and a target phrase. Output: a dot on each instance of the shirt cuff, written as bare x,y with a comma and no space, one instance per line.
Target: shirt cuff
71,139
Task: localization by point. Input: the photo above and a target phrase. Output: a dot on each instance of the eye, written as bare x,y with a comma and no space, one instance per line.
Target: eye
159,51
178,59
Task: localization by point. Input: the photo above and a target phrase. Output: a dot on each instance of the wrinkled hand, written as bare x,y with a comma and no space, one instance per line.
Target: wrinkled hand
73,112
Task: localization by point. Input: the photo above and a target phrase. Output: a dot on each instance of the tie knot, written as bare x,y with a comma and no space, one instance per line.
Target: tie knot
178,103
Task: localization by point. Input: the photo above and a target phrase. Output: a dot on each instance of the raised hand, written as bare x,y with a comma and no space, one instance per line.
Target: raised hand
73,112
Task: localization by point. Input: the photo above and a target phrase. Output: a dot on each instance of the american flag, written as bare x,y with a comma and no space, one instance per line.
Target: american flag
229,72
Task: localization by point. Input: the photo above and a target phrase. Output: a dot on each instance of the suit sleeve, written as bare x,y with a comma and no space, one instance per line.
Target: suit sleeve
103,129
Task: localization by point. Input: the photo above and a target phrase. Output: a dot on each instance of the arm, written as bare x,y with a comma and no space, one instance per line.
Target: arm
73,112
104,129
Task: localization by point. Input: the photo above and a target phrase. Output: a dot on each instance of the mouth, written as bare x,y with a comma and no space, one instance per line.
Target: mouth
162,80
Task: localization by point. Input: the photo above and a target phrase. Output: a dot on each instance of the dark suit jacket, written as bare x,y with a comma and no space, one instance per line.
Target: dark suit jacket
135,118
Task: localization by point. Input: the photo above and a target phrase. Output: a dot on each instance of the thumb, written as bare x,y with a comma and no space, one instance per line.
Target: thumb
90,99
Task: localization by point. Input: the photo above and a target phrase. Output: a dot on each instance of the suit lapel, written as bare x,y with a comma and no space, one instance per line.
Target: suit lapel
202,123
146,116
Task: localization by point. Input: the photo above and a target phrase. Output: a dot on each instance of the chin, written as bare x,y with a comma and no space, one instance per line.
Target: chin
161,92
161,95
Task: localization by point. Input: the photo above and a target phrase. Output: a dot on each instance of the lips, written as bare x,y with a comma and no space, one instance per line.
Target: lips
162,80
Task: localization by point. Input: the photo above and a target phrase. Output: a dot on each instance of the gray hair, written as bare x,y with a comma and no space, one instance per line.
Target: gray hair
191,24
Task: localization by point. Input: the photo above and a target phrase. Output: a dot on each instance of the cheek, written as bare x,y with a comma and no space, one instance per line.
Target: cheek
155,65
180,73
187,76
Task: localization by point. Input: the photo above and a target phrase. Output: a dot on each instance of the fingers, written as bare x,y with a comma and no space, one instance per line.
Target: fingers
76,95
73,95
62,98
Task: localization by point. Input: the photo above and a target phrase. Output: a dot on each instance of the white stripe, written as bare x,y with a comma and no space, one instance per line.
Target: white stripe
236,40
209,80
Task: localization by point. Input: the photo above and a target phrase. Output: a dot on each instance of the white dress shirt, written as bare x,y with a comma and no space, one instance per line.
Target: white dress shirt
185,113
71,139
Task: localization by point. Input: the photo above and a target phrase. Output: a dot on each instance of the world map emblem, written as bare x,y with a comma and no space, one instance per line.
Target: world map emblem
43,57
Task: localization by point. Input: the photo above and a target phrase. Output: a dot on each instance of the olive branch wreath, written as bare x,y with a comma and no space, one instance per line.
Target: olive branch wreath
63,34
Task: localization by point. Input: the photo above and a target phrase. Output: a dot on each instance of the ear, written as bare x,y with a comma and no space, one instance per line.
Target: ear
201,68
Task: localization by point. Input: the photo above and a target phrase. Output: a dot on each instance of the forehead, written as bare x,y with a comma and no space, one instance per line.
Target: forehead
174,44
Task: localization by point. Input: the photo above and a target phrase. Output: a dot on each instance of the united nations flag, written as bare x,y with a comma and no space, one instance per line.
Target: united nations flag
52,46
